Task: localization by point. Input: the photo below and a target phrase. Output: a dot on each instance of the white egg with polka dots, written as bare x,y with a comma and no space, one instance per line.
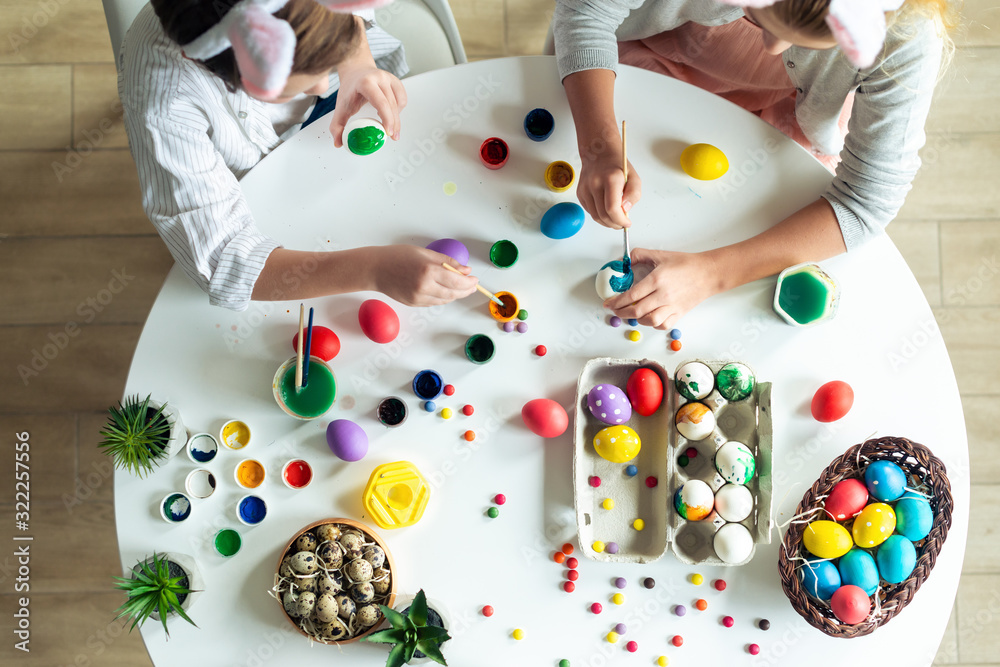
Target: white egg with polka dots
609,404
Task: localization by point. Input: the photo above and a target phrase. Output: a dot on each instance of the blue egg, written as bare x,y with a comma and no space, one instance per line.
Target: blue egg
885,480
562,220
896,559
858,568
820,578
914,517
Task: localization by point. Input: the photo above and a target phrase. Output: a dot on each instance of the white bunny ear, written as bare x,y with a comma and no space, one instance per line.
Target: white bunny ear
859,27
265,51
348,6
753,4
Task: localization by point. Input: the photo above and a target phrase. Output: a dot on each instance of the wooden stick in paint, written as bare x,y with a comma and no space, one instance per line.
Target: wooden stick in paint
298,354
483,290
307,351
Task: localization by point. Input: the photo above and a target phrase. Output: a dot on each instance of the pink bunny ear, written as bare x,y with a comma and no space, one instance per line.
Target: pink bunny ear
265,49
348,6
753,4
859,27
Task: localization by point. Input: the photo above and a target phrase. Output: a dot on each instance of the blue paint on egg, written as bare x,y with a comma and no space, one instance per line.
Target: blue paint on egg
820,578
896,559
562,220
885,480
858,568
914,517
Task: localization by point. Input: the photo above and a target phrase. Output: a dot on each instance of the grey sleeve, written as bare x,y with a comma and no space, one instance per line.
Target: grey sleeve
584,32
886,131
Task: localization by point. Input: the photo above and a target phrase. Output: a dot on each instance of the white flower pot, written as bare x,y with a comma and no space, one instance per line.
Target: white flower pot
178,436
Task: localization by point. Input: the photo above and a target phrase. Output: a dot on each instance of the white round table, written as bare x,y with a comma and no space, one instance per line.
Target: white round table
216,365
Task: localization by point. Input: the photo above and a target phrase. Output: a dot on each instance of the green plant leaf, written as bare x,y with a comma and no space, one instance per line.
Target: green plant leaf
390,636
418,609
396,620
431,650
132,439
395,658
432,633
409,648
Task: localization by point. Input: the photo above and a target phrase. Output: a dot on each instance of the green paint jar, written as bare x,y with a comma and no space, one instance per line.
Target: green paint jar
806,295
228,542
479,348
503,254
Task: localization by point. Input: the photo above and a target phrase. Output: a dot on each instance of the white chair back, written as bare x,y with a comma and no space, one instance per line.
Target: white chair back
120,14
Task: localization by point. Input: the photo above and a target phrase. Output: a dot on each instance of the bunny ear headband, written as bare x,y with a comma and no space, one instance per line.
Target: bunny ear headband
264,45
857,25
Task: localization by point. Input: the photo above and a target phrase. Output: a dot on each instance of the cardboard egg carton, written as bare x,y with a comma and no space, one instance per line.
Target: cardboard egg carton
747,421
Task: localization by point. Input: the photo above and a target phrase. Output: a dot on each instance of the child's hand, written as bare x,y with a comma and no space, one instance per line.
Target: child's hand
601,189
360,82
414,276
677,283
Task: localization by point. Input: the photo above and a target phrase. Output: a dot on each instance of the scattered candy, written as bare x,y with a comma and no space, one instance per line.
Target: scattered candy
691,452
701,605
569,586
680,610
662,661
470,436
651,482
675,345
571,563
611,548
522,327
608,504
597,546
632,322
634,335
615,321
596,608
620,582
675,334
559,557
620,628
493,512
541,350
764,624
568,548
564,663
572,575
753,649
632,647
467,410
648,582
499,498
522,314
446,413
594,481
508,326
612,637
677,640
697,579
618,598
683,460
449,390
487,611
430,406
728,621
631,471
720,584
518,634
638,524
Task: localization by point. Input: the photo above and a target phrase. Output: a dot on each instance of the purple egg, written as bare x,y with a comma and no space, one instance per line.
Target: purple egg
451,247
347,440
609,404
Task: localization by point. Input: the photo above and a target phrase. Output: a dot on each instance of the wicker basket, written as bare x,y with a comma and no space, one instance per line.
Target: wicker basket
923,468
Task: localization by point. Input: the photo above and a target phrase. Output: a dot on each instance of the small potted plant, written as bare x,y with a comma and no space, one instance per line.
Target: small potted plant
141,434
416,633
161,585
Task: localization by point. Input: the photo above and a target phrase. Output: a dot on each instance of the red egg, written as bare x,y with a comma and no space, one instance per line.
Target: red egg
378,321
645,391
324,343
832,401
846,500
850,604
545,417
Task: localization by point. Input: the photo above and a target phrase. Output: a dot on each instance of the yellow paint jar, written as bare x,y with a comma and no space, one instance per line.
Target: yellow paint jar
559,176
234,434
508,311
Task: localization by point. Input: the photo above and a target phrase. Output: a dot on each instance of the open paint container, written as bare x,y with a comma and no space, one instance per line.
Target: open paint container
806,295
396,495
175,508
251,510
202,447
250,473
228,542
559,176
538,124
311,401
234,434
494,153
391,411
297,474
427,385
479,348
200,483
503,254
508,311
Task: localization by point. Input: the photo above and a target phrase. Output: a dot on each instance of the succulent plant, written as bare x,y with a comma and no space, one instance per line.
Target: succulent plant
134,439
410,633
152,590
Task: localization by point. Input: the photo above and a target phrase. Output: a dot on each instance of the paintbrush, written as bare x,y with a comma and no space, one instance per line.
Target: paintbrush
627,259
483,290
308,351
298,351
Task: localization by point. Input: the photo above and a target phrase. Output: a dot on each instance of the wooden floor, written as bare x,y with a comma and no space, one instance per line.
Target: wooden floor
72,231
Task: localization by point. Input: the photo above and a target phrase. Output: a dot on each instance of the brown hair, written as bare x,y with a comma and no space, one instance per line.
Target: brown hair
323,38
808,17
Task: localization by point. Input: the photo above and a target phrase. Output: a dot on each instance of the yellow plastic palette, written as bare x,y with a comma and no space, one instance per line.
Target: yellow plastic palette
396,495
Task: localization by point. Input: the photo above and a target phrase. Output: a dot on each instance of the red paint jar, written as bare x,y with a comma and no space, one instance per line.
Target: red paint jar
297,474
494,153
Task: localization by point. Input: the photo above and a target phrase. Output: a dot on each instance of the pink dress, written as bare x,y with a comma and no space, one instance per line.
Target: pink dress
730,61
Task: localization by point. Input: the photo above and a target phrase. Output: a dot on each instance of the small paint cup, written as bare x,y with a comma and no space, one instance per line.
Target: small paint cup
494,153
391,411
251,510
228,542
297,474
538,124
503,254
200,483
202,447
479,348
806,295
509,310
311,401
250,473
559,176
427,385
235,434
175,508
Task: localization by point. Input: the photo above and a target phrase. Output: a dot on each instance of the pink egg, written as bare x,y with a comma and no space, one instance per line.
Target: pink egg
324,343
846,500
609,404
378,321
451,247
850,604
347,440
545,417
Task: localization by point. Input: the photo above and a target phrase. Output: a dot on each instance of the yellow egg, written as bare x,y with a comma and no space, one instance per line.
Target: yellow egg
704,162
617,444
826,539
874,525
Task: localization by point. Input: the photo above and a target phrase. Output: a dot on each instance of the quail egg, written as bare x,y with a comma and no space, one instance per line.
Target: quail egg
307,584
328,532
363,593
333,631
286,567
304,562
353,545
368,615
346,606
327,608
305,604
381,581
330,582
374,555
359,571
306,542
330,554
289,601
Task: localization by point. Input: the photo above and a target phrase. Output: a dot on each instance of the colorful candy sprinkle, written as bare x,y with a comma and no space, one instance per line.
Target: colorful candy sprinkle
430,406
569,586
632,322
499,499
572,575
522,314
508,326
634,335
638,524
518,634
564,663
611,548
470,436
662,661
615,321
559,557
632,647
648,582
487,611
571,563
697,579
620,582
541,350
522,327
720,584
675,345
683,460
594,481
568,548
449,390
680,610
618,598
446,413
753,649
764,624
608,504
598,546
701,605
596,608
467,410
631,471
651,482
612,637
675,334
493,512
691,452
728,621
677,640
620,628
